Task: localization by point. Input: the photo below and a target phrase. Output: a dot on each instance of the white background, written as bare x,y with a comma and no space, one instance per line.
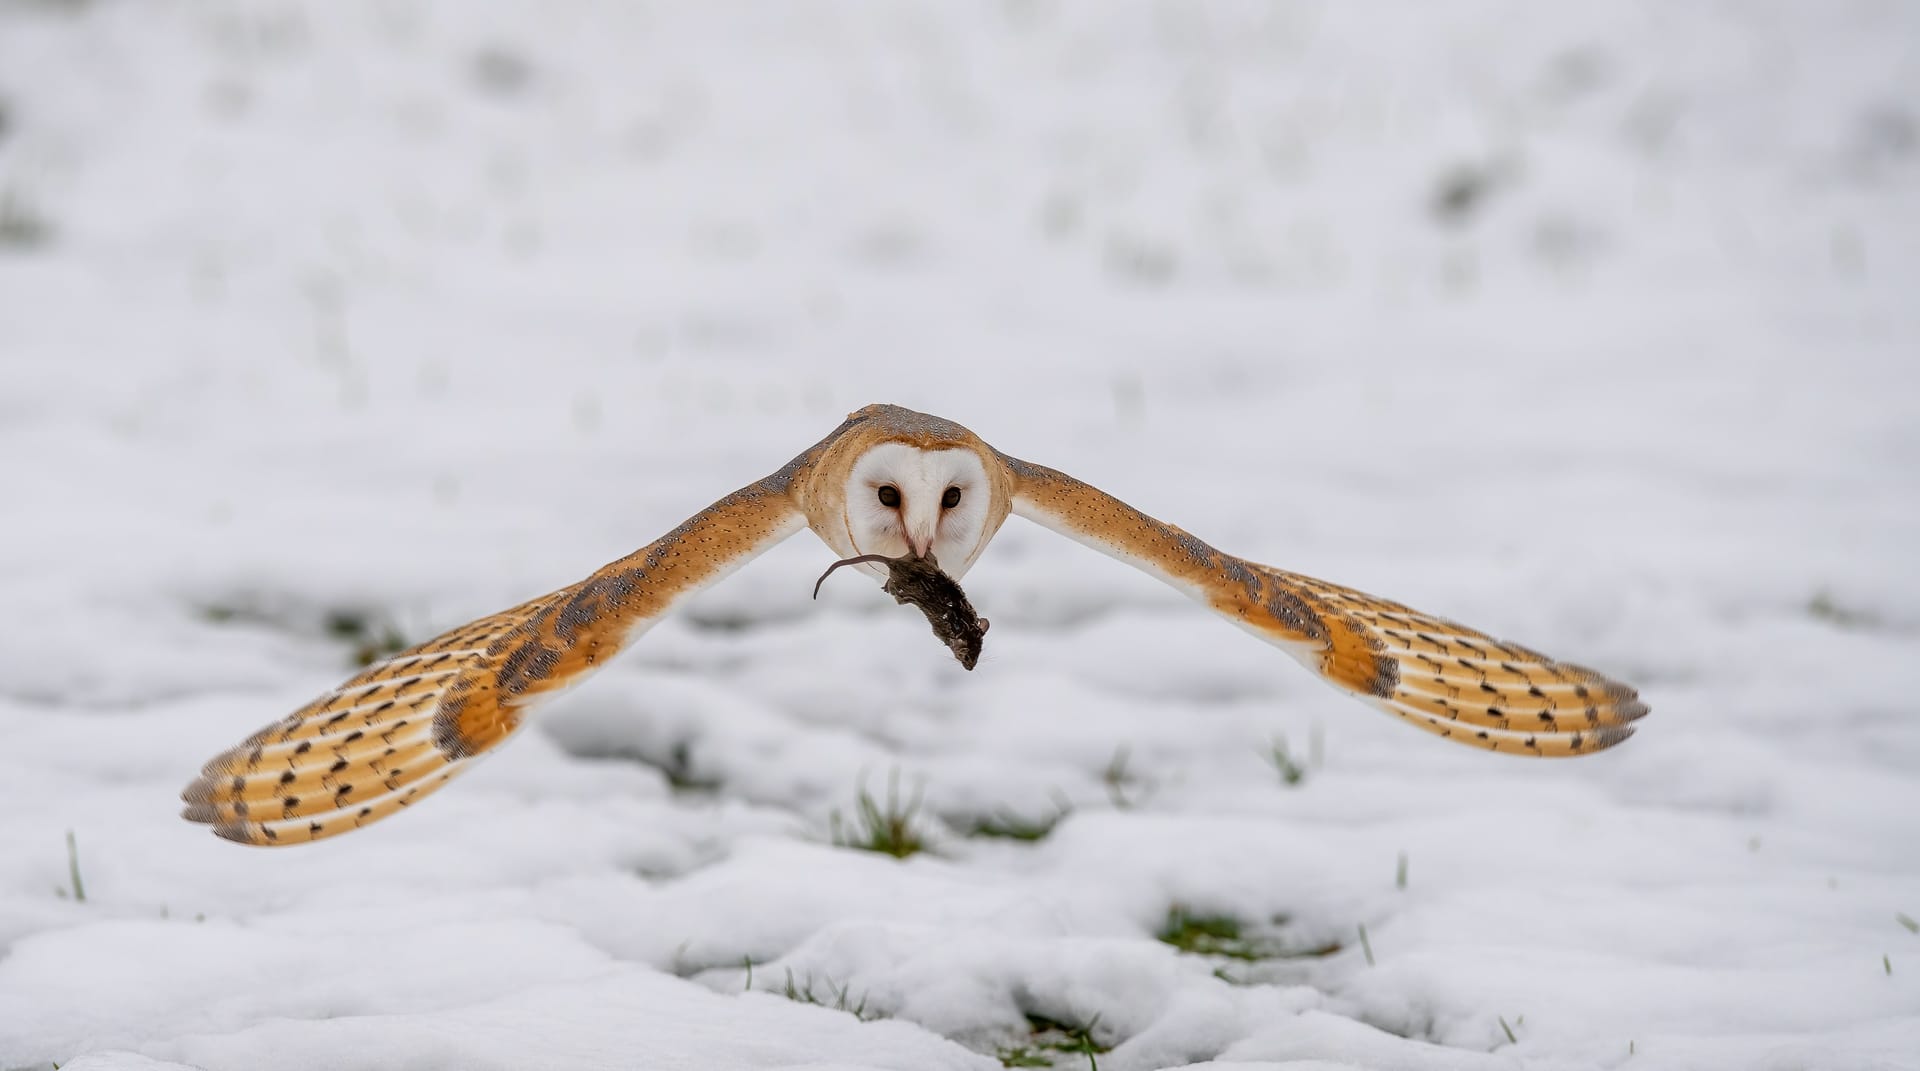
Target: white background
1594,326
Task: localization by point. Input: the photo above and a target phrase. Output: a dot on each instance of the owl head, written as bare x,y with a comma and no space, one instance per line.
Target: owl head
917,488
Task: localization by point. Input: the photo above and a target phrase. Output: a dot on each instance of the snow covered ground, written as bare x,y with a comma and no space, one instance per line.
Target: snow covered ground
1592,325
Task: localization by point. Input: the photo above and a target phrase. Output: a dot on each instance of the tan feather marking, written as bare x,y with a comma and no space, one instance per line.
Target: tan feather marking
372,763
337,793
343,820
364,710
1512,742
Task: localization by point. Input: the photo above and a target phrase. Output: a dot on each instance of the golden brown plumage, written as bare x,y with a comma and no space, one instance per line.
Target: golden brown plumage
402,728
1443,677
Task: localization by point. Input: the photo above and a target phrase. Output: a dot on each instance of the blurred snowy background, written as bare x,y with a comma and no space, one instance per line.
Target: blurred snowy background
325,326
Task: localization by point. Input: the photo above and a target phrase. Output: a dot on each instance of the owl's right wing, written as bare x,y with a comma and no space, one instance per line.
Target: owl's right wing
402,728
1441,676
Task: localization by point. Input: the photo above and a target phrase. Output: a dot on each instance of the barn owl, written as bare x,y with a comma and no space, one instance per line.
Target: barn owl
892,482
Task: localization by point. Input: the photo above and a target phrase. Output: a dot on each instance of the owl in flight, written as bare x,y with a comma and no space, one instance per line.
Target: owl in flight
888,482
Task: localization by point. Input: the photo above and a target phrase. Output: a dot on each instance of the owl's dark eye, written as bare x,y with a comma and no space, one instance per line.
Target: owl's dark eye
951,498
890,496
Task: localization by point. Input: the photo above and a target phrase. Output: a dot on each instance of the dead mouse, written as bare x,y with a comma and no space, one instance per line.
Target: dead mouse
920,582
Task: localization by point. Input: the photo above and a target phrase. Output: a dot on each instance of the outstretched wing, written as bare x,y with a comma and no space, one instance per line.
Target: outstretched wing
1441,676
404,727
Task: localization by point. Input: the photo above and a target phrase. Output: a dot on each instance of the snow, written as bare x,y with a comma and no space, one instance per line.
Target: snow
1591,326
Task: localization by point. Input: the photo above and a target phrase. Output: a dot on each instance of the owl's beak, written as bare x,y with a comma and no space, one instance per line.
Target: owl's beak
921,542
920,532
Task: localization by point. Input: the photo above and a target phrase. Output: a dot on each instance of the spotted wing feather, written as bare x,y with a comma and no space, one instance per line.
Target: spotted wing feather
399,730
1443,677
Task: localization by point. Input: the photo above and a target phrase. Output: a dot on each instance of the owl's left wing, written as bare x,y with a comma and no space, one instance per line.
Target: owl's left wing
403,727
1441,676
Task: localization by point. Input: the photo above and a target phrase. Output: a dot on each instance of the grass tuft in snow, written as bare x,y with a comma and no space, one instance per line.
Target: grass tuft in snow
1006,824
889,831
73,871
1206,935
22,227
1124,787
1460,192
1052,1036
828,994
1825,607
371,636
1366,946
1906,920
1226,936
1292,771
1511,1040
678,769
1400,872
